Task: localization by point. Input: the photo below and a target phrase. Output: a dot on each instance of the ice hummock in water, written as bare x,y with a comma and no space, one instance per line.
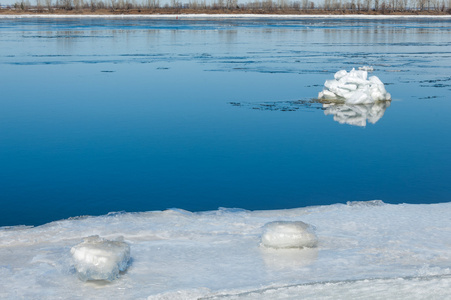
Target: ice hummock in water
286,234
354,87
100,259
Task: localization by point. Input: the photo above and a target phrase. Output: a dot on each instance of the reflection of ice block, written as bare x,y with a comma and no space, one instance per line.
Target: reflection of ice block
354,88
288,258
285,234
100,259
356,115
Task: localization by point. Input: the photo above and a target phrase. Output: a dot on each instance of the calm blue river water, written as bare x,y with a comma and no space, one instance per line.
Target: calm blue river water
101,115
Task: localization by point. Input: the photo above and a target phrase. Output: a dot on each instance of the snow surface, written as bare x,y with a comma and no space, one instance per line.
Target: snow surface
100,259
365,250
354,87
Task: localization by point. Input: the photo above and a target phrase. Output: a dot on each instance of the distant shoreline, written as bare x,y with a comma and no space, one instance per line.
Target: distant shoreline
217,12
232,16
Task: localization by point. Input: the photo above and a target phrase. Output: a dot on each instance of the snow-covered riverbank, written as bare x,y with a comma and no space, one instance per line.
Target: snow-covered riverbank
366,249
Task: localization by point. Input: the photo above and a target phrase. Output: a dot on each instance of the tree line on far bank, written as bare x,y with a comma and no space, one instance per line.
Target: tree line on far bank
232,6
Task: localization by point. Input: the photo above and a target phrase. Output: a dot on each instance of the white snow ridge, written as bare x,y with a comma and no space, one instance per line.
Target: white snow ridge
99,259
286,234
354,88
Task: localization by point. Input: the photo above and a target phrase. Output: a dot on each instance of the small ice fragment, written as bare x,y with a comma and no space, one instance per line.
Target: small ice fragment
286,234
99,259
354,88
366,68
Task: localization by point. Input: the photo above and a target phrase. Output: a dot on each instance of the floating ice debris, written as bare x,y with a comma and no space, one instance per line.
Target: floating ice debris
100,259
366,68
290,105
354,88
285,234
358,114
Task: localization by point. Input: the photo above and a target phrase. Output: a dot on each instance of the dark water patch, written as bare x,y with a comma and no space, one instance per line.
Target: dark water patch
100,61
343,113
441,85
203,55
436,83
142,55
36,63
239,62
58,36
435,80
277,71
430,97
281,105
51,55
90,62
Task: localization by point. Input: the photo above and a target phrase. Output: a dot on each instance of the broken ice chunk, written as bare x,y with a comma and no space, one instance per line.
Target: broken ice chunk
99,259
286,234
354,88
367,68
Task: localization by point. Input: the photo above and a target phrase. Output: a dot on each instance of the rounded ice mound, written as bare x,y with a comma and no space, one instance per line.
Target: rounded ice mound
99,259
288,234
354,87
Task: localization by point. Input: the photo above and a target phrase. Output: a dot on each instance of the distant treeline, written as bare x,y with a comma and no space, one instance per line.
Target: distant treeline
232,6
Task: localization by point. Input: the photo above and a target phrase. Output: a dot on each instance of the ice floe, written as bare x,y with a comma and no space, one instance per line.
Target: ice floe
100,259
354,87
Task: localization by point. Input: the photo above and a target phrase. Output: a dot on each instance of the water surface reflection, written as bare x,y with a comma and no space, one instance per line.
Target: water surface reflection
356,115
351,114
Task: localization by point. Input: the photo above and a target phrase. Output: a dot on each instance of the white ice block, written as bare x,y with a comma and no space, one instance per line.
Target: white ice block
100,259
354,88
288,234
